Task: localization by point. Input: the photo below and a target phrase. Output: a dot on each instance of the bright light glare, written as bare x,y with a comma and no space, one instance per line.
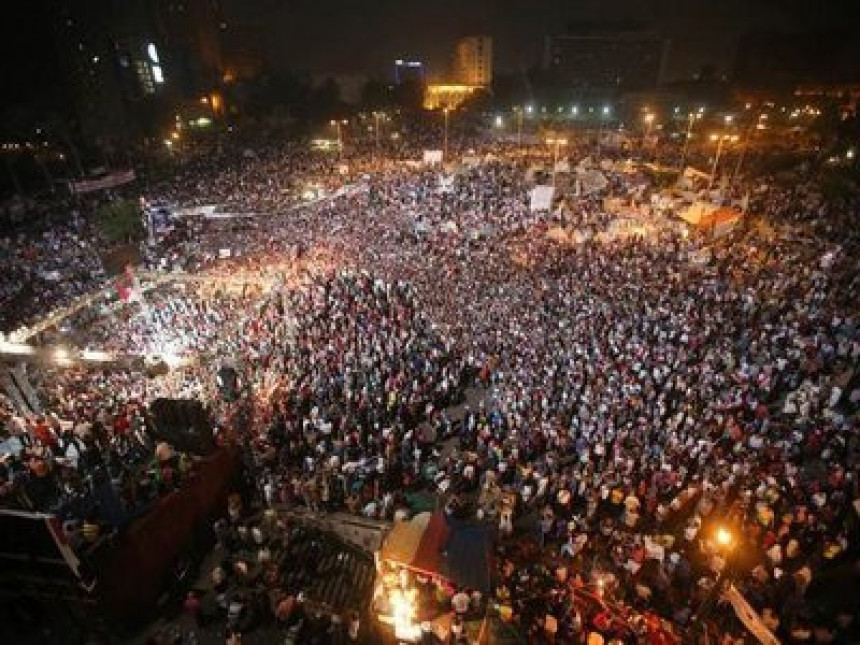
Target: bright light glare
157,74
499,122
19,349
152,52
173,360
96,355
724,537
62,356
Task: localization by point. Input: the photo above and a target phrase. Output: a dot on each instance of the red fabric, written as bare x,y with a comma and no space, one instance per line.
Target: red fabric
132,576
43,435
428,556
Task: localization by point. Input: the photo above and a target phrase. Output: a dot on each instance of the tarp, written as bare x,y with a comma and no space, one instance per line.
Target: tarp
433,544
591,181
710,217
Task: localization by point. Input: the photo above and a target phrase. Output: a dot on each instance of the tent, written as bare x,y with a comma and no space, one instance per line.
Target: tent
708,217
433,544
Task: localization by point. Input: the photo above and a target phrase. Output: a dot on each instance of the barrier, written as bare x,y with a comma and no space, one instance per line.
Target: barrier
133,575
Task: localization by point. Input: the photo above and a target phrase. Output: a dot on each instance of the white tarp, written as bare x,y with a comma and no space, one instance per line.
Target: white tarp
591,181
541,198
432,157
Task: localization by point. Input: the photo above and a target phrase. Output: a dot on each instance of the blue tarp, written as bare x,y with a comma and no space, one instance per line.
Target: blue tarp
467,555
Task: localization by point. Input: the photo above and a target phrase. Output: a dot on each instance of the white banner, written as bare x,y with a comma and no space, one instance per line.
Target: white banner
749,617
541,198
108,181
432,157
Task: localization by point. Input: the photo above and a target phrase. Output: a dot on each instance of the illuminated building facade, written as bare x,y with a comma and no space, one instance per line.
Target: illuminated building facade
473,61
447,95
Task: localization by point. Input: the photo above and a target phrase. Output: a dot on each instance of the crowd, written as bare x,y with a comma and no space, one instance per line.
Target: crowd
628,396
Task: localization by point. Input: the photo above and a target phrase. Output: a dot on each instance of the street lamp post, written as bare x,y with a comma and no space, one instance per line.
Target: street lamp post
692,117
377,116
337,126
445,136
720,139
725,543
519,112
557,142
649,123
603,113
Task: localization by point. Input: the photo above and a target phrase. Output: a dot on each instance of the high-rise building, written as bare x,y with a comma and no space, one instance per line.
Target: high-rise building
473,61
408,71
606,57
128,64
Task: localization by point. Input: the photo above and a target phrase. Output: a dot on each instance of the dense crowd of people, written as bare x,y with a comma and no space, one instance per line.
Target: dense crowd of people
608,405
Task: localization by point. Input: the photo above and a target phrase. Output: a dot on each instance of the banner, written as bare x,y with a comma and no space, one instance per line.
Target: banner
108,181
541,198
432,157
749,617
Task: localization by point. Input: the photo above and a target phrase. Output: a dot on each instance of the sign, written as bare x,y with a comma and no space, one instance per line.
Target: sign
432,157
108,181
541,198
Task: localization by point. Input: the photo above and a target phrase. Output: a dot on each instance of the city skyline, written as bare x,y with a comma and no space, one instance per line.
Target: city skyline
345,37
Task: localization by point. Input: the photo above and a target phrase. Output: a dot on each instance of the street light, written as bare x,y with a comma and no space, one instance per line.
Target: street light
720,140
336,124
691,119
377,116
445,139
529,109
724,537
519,112
557,142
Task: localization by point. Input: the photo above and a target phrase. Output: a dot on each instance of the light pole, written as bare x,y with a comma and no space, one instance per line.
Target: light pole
519,112
725,542
445,135
692,118
649,123
603,113
336,124
377,116
720,139
557,142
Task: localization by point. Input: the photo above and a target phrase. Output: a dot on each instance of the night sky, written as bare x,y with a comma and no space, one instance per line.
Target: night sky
365,36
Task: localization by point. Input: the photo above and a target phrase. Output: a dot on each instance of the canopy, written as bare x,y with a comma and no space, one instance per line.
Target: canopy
432,544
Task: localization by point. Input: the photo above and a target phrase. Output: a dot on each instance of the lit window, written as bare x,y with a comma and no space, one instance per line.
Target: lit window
152,52
157,74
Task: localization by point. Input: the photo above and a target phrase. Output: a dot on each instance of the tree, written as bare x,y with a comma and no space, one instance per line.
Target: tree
120,220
